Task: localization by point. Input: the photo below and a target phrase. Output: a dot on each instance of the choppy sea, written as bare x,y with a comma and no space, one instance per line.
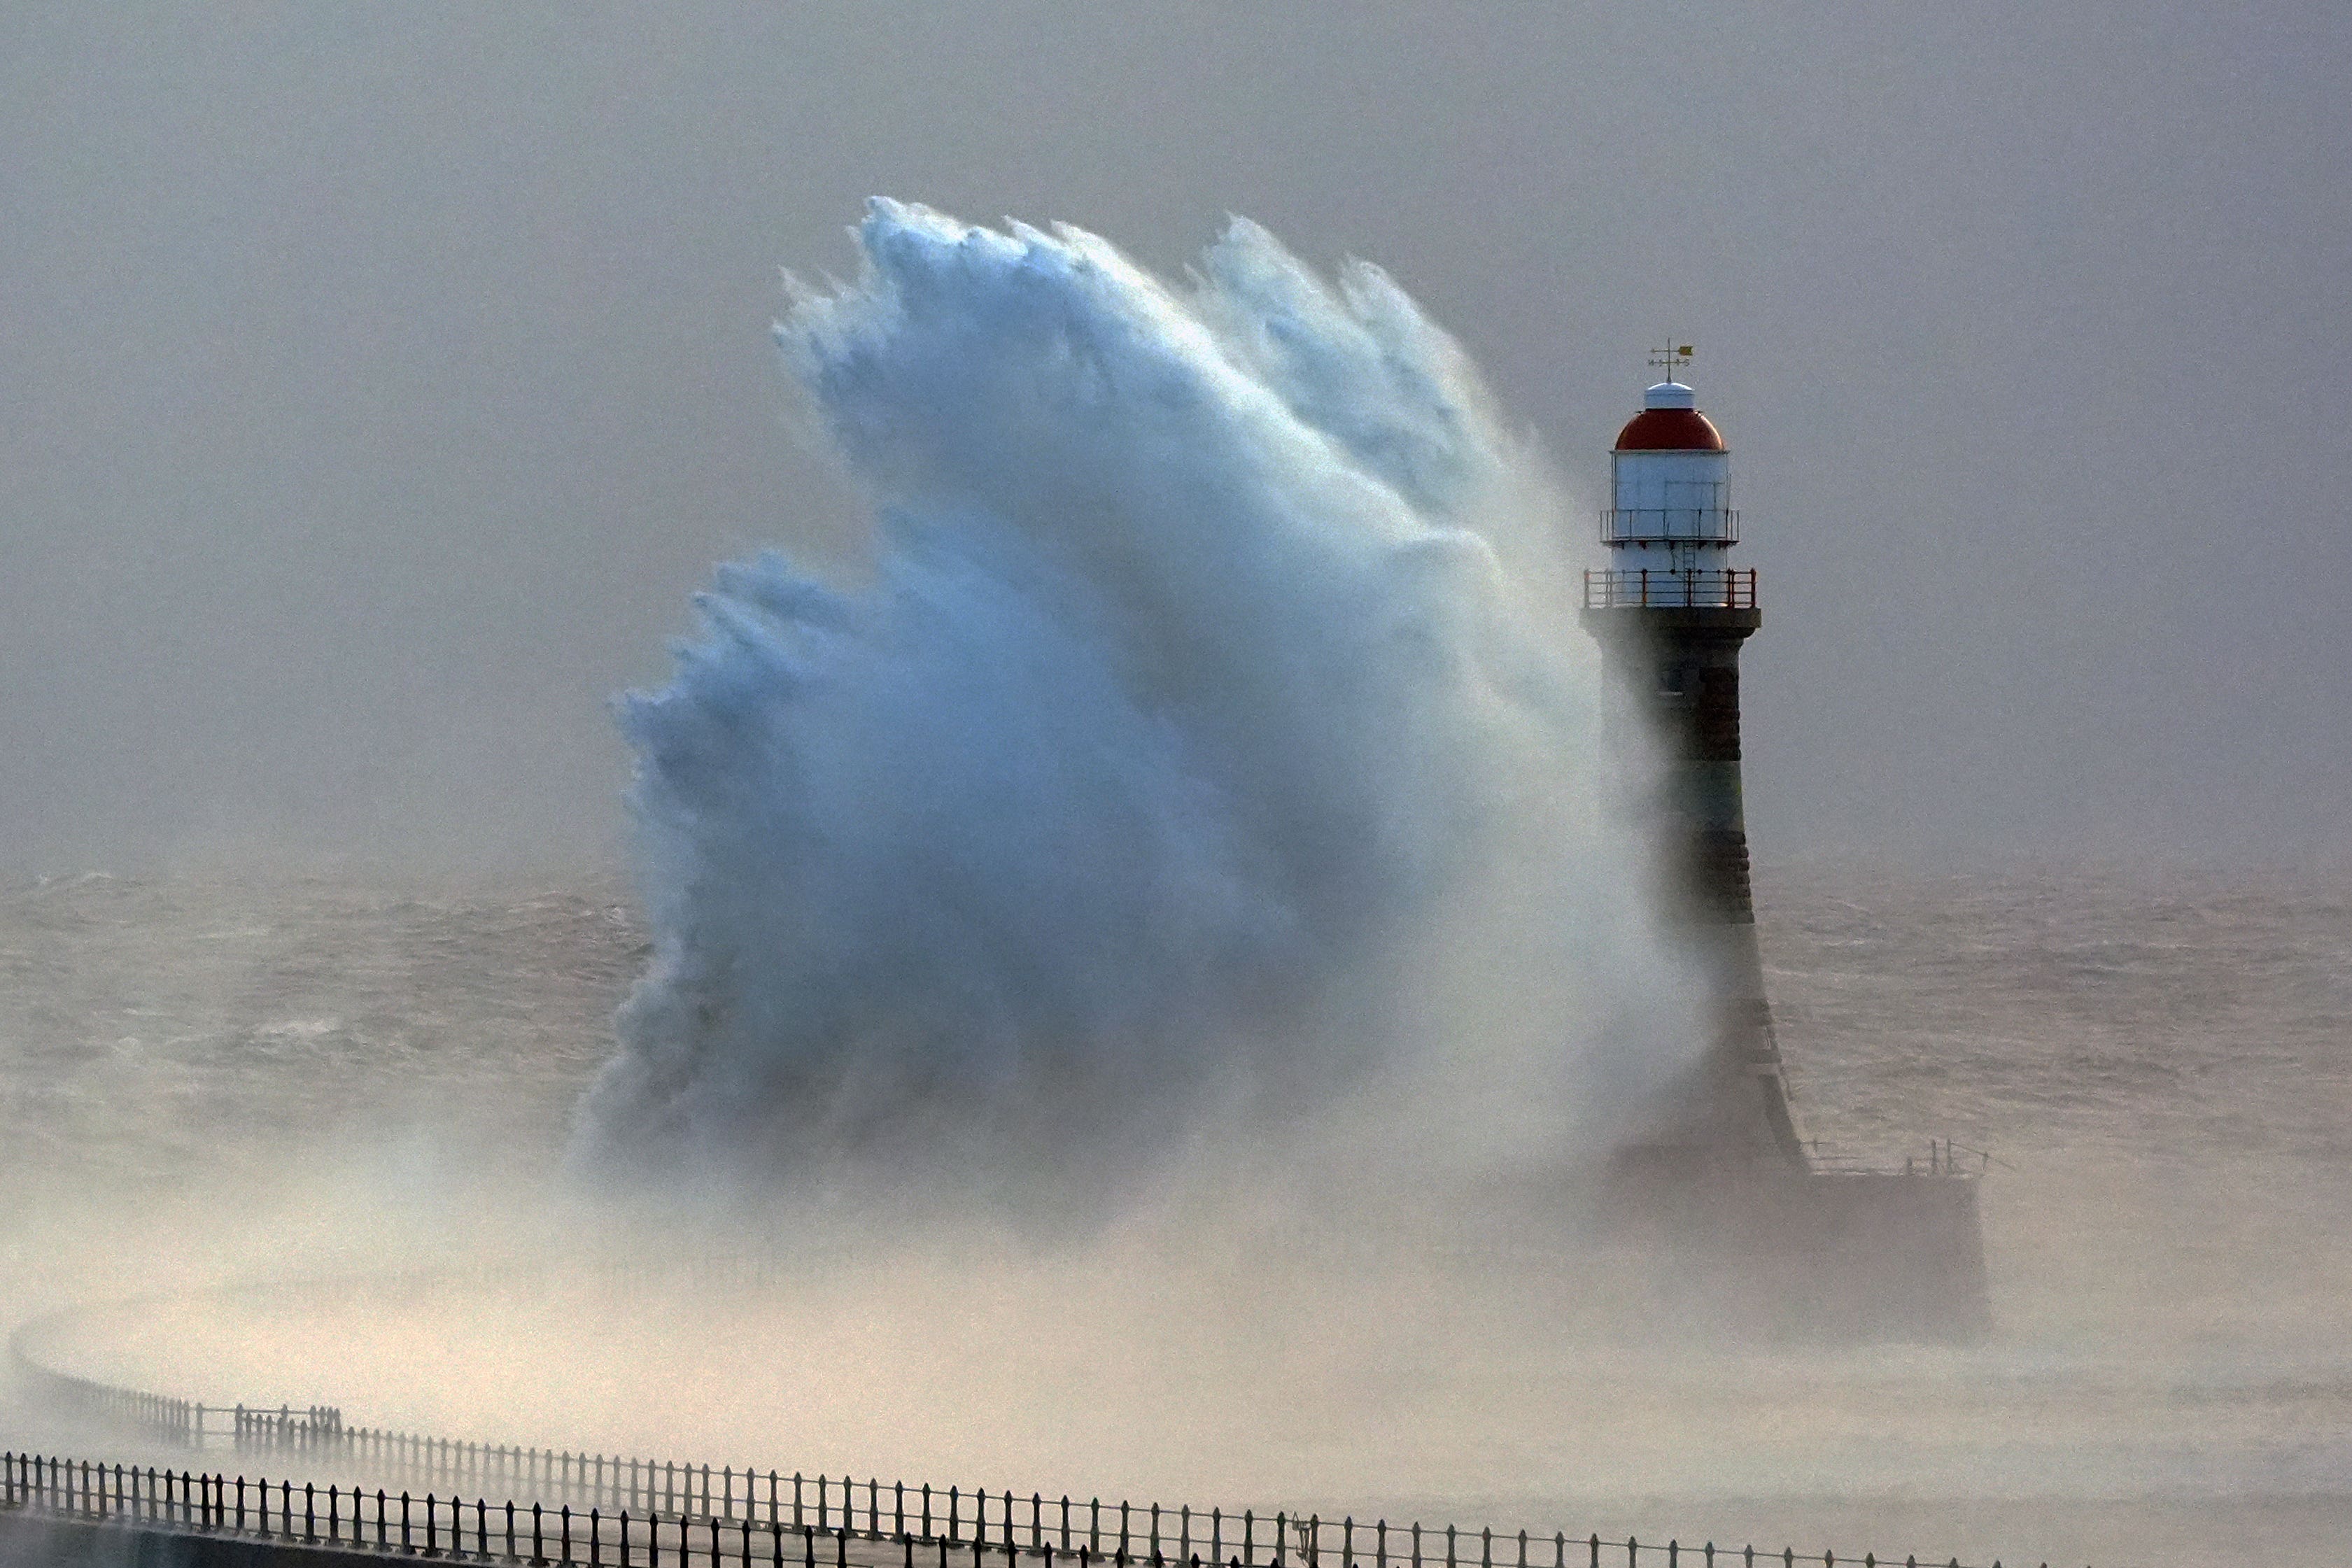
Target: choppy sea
2156,1065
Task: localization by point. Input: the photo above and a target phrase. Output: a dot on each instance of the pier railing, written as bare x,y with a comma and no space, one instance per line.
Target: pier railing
511,1531
718,1513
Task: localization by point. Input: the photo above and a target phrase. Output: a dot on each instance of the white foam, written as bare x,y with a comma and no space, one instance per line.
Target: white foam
1213,735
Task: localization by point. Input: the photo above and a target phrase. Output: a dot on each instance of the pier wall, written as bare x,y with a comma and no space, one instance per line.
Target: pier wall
45,1540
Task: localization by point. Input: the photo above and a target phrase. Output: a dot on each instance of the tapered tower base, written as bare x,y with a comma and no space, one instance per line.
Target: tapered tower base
1673,673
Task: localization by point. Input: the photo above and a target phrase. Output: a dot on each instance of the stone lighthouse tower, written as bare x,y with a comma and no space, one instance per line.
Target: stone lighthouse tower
1671,610
1716,1170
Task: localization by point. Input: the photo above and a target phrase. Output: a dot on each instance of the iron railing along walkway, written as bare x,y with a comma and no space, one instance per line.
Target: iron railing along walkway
354,1518
633,1505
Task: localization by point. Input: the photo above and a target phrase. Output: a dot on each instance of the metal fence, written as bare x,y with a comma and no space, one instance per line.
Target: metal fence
1658,588
630,1505
438,1525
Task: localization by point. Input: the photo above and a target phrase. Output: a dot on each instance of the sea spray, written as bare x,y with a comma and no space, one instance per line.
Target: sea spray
1209,747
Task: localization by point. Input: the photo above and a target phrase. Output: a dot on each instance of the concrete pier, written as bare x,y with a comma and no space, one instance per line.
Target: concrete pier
50,1541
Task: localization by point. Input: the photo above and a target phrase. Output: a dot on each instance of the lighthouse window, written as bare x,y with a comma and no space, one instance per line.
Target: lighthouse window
1673,680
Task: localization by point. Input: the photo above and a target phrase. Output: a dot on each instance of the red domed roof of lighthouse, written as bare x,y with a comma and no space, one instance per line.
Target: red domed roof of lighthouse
1670,421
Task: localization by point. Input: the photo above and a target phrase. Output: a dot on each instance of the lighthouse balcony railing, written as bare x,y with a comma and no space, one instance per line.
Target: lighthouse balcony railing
1707,524
1652,587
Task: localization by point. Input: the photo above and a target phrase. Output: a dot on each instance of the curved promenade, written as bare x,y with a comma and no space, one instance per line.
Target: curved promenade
374,1490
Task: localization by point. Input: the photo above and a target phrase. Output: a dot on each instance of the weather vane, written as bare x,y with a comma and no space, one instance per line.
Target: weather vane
1670,359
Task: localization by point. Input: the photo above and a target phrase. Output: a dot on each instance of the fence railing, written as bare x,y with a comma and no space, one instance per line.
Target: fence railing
1656,588
511,1531
1942,1157
633,1504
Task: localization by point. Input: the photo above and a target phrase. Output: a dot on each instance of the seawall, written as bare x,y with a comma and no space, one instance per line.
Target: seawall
31,1539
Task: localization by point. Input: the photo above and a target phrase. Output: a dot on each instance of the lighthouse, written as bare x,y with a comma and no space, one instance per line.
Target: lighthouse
1671,610
1716,1170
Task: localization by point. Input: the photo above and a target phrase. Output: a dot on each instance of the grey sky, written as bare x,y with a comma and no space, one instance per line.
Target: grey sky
379,380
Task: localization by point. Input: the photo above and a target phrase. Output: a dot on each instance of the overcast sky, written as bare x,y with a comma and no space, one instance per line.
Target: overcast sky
380,380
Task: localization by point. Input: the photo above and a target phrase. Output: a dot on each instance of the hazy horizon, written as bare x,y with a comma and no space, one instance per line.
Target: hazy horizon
382,381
